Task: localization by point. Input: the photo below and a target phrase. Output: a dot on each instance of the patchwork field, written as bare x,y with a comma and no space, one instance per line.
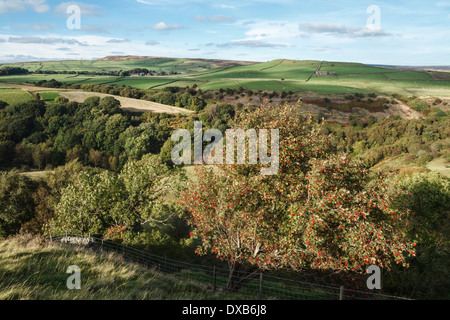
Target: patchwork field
49,96
281,75
12,95
16,93
118,63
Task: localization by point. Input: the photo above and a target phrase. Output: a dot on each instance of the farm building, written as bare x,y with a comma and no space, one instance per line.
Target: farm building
325,73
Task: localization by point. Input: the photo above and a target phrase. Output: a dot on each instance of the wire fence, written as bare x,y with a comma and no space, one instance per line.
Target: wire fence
258,285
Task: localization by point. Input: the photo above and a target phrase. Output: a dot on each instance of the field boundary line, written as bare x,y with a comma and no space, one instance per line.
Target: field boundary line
267,286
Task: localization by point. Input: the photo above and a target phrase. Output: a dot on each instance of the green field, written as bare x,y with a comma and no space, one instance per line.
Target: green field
282,75
4,86
106,65
13,95
49,96
276,69
69,79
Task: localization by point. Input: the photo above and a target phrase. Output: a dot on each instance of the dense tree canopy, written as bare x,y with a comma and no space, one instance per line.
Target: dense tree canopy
427,197
16,202
321,211
96,132
99,200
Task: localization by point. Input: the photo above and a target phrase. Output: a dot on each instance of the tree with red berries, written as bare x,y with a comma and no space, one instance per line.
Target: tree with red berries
322,210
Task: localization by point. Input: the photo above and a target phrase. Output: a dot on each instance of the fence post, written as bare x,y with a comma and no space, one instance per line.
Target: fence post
101,247
214,277
341,293
260,285
51,239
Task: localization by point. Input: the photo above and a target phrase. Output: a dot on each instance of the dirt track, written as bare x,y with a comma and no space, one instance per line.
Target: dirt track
127,103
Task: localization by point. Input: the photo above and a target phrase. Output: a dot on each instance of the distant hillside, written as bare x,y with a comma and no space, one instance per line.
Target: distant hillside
308,77
119,63
125,58
216,62
413,67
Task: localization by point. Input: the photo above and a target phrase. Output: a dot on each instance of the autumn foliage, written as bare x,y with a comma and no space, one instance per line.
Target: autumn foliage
321,211
115,233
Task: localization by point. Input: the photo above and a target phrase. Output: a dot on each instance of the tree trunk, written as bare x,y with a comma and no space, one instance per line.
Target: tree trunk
238,277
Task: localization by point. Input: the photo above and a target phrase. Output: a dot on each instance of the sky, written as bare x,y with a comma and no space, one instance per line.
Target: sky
413,33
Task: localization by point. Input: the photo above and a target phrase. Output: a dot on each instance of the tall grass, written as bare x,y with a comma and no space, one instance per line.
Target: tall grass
31,268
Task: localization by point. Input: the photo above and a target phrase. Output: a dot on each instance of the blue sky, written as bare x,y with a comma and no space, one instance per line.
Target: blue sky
375,32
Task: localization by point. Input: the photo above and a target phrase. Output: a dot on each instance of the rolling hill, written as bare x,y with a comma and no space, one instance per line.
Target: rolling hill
280,75
118,63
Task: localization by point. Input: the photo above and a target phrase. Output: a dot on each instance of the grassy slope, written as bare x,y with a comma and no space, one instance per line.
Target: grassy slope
352,77
101,65
30,269
13,95
440,165
398,163
49,96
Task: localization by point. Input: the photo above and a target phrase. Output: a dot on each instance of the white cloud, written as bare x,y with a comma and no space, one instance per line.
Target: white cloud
224,6
45,40
39,6
145,2
165,2
118,40
273,31
83,47
55,47
251,44
219,18
43,26
37,26
86,9
151,43
20,26
11,58
162,26
339,29
95,29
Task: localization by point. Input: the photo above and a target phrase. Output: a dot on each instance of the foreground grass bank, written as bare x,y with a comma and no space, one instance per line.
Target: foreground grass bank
34,269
